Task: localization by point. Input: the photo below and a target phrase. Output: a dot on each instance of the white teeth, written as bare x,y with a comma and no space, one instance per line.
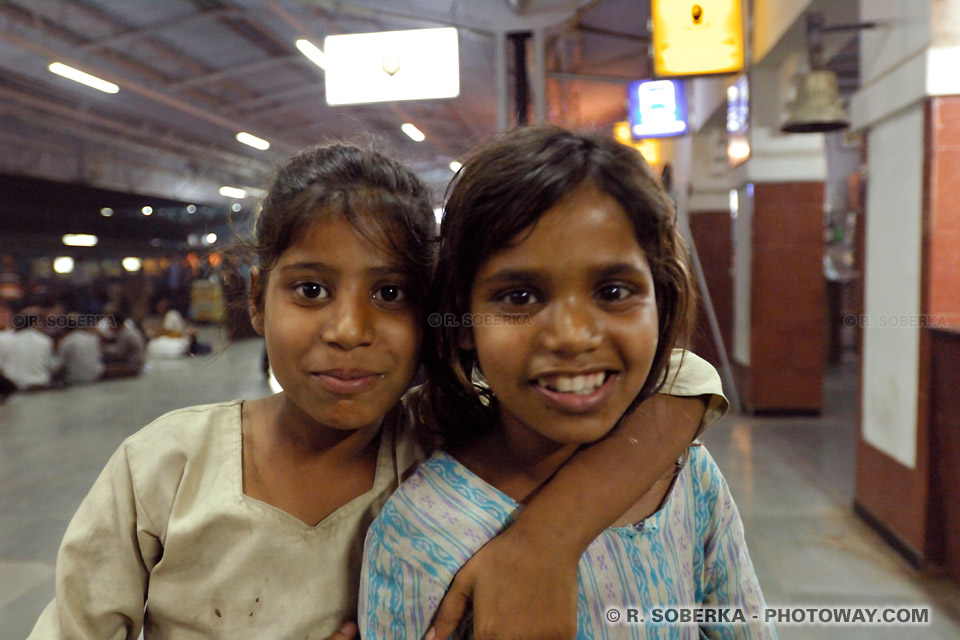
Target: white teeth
580,385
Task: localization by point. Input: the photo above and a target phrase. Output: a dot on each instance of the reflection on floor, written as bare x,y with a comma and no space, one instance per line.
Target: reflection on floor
792,479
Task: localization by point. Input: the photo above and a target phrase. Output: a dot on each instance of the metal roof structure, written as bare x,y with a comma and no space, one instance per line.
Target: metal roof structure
193,73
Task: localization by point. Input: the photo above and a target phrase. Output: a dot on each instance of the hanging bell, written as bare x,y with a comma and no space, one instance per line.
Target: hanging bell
817,107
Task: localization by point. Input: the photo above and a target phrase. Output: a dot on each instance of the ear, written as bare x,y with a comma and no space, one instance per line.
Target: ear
255,299
465,339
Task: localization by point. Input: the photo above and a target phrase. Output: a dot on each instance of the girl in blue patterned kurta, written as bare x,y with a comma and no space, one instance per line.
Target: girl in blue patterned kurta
561,288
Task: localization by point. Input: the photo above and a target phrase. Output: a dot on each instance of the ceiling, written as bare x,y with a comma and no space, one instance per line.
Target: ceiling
193,73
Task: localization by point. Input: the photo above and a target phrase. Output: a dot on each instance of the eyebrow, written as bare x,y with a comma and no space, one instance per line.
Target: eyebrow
385,270
505,276
618,269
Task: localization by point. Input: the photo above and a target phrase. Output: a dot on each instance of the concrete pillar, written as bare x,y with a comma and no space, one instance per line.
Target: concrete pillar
909,110
779,308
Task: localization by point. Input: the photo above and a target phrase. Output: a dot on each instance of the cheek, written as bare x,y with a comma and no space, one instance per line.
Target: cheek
501,348
403,338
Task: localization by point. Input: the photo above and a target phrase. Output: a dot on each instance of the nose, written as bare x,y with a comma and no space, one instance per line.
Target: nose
349,323
571,327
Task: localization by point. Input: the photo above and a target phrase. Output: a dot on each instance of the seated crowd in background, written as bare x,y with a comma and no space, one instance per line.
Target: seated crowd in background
46,337
41,347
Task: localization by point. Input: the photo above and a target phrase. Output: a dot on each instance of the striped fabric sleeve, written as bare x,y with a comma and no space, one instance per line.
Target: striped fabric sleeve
729,577
397,599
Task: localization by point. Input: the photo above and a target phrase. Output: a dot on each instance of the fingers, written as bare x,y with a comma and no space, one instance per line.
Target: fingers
452,609
347,631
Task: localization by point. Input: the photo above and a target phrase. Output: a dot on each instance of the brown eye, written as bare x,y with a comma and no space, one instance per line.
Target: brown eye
614,293
390,293
520,297
312,290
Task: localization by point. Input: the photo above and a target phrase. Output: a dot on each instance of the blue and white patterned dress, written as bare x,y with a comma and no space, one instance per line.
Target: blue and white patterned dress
690,553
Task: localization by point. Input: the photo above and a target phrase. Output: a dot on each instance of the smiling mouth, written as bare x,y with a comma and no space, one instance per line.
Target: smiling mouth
582,385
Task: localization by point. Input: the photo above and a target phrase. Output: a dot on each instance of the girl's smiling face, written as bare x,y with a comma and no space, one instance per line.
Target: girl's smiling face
342,334
566,321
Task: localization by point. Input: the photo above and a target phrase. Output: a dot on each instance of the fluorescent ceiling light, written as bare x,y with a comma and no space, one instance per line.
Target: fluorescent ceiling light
413,132
310,50
235,207
253,141
83,78
148,210
455,166
232,192
79,240
392,65
211,238
131,264
253,192
63,264
191,208
106,212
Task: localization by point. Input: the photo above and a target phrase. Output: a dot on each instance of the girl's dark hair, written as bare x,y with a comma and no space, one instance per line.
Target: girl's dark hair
501,191
384,200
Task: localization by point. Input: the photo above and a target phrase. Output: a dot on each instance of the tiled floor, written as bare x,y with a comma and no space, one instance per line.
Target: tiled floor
792,478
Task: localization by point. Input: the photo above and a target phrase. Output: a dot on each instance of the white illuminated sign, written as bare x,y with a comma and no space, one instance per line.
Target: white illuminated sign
392,65
657,108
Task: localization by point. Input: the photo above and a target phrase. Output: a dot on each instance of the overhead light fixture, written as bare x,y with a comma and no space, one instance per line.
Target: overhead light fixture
63,264
147,210
235,207
253,141
131,264
210,238
233,192
419,64
413,132
191,208
79,240
106,212
817,107
455,166
314,54
83,78
253,192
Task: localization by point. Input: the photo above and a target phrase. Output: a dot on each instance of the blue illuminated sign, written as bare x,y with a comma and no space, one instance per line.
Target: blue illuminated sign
658,109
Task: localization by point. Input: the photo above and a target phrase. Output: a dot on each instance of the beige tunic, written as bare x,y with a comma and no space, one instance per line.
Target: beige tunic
167,541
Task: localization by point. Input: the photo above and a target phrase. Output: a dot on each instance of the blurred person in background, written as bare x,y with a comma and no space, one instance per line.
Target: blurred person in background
6,336
80,357
124,347
29,361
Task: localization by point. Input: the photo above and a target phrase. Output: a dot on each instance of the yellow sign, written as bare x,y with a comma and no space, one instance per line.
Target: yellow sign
649,148
696,38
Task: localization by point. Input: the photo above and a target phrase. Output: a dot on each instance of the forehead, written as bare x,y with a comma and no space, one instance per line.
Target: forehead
332,238
585,226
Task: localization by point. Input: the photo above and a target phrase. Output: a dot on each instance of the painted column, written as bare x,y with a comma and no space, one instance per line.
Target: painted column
909,108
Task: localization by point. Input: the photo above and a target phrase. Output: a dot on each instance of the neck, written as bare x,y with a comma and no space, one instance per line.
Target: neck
515,459
297,434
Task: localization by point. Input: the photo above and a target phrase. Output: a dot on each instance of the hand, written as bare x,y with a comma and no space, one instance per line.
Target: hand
347,631
519,589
